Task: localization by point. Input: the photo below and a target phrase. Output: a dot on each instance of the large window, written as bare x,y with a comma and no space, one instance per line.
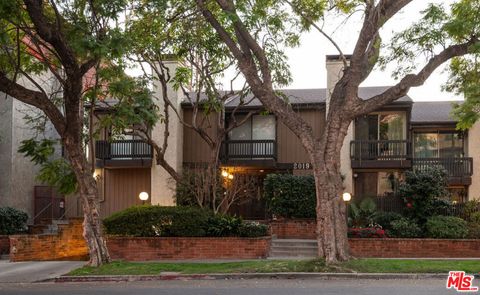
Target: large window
382,126
258,127
440,144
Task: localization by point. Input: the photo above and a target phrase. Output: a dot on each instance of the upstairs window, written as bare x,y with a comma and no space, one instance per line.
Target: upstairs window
440,144
257,127
382,126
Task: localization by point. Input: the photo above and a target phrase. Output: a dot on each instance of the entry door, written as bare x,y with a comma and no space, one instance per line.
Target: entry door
366,185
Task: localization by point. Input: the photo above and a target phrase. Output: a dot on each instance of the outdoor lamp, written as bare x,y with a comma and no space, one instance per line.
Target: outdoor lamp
230,176
143,196
346,196
224,173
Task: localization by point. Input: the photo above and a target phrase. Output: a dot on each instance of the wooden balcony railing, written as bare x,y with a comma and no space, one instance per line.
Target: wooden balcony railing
122,149
455,167
380,150
249,149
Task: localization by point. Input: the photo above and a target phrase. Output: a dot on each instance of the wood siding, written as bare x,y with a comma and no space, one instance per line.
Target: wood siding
290,149
122,187
195,149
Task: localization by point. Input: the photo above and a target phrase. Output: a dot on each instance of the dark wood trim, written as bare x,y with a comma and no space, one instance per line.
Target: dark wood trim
129,163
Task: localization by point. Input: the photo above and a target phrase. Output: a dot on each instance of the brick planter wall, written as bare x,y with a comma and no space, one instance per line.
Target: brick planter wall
415,248
4,245
293,228
144,249
68,244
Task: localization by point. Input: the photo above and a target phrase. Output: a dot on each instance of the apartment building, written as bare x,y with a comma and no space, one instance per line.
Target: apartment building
378,149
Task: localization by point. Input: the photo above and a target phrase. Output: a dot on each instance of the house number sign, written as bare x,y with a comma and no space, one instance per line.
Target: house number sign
302,166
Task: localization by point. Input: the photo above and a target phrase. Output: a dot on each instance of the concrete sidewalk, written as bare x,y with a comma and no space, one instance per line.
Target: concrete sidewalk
33,271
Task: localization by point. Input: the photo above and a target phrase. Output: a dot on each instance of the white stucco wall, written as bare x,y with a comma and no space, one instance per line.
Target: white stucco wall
334,73
474,152
163,186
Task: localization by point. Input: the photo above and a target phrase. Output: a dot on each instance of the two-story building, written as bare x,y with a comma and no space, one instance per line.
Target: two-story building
378,149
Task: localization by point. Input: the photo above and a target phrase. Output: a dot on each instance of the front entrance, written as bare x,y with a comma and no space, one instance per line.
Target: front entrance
365,185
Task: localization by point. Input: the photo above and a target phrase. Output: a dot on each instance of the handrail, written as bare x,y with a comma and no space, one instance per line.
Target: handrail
41,211
380,149
249,149
455,167
122,149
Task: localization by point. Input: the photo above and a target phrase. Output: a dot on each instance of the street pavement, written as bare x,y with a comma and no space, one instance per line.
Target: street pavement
236,287
33,271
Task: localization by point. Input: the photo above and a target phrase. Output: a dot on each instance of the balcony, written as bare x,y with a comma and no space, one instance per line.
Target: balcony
249,150
459,170
380,154
123,153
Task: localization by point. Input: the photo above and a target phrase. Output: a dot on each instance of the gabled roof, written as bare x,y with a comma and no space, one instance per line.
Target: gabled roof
433,112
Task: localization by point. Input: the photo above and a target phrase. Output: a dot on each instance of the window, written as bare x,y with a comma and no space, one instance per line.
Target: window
258,127
382,126
441,144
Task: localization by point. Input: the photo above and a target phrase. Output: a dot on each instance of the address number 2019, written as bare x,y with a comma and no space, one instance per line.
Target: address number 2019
302,166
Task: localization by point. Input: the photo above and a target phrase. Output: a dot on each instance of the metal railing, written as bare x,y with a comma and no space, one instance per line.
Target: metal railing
122,149
249,149
455,167
380,150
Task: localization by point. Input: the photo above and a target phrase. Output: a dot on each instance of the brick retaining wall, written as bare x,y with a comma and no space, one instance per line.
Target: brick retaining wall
68,244
144,249
293,228
4,245
414,248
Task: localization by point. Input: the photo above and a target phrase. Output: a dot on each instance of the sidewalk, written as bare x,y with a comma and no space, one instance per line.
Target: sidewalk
34,271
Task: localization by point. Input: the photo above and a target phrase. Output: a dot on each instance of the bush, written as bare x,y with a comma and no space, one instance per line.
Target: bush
384,219
363,214
12,221
369,232
155,221
475,217
404,228
425,193
446,227
223,226
290,196
473,230
253,229
151,221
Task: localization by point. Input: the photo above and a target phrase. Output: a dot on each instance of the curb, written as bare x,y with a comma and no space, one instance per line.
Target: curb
246,276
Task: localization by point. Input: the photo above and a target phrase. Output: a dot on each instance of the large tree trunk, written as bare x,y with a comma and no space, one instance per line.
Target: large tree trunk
92,224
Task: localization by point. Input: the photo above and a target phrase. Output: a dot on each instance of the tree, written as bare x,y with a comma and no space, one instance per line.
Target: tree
65,41
244,27
202,62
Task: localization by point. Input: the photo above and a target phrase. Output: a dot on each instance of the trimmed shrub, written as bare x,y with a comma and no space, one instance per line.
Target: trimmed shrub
384,219
290,196
404,228
12,221
369,232
151,221
446,227
252,229
473,230
158,221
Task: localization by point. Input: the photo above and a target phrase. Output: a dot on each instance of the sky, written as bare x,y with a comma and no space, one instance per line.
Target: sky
307,62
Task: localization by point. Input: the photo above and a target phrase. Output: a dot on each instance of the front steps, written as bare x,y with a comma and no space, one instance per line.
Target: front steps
293,248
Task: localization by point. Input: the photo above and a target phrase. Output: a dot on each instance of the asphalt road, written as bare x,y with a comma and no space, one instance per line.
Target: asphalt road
235,287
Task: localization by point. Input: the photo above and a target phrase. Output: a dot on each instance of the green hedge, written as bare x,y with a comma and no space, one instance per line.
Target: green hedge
155,221
290,196
12,221
446,227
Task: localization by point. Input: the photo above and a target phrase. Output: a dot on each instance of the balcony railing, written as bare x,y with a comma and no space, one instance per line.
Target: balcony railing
455,167
249,149
122,149
380,150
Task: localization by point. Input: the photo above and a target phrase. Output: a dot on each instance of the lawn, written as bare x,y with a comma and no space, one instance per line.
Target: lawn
266,266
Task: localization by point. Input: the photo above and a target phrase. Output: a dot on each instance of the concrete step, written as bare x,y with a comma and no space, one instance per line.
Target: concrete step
292,254
5,257
288,248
